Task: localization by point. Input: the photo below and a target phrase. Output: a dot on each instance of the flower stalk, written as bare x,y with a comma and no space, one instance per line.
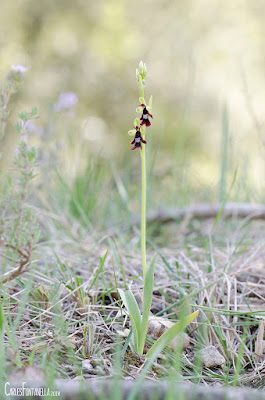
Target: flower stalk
139,322
143,204
143,212
140,76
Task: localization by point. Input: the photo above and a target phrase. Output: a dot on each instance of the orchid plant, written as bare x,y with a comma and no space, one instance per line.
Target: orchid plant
140,322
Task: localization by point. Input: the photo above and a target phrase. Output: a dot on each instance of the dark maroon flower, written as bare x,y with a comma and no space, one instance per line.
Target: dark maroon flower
138,139
145,116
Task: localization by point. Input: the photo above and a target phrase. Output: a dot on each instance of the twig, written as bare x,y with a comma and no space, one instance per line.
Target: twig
19,251
23,263
207,210
15,273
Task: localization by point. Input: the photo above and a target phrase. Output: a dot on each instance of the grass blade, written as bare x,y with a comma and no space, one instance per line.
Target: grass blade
98,271
224,155
2,318
135,316
170,334
147,301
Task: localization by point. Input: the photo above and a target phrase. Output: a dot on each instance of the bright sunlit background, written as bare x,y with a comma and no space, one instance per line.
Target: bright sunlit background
206,64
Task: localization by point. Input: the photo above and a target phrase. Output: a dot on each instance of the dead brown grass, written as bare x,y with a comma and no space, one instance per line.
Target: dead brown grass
67,318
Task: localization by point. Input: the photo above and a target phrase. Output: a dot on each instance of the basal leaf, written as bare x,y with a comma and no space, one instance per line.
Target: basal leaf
134,312
147,301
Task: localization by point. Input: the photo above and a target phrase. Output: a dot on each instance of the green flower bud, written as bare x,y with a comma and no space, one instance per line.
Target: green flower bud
150,103
136,122
142,69
141,73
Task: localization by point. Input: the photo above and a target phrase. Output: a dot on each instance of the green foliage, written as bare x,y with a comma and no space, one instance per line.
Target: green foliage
135,316
140,323
18,222
2,318
9,87
147,301
86,189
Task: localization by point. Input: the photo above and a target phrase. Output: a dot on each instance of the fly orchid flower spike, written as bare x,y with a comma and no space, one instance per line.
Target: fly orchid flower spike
141,73
137,135
144,110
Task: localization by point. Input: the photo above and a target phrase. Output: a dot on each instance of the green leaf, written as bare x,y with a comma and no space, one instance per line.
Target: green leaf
135,315
32,154
170,334
18,126
34,111
225,200
147,301
24,116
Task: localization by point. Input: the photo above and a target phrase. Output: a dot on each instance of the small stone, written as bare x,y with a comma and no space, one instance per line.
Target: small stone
158,325
211,357
87,366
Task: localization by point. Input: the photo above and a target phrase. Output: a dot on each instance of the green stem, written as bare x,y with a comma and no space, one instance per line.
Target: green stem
143,214
141,87
143,217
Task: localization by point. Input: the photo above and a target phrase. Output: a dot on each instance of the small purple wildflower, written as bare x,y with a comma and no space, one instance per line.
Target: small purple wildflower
31,127
17,72
19,68
66,101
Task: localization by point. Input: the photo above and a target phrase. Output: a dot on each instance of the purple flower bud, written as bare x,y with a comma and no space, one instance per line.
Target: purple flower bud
17,72
66,101
19,68
31,127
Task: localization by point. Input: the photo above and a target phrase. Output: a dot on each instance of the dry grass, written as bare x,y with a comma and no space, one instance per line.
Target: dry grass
66,309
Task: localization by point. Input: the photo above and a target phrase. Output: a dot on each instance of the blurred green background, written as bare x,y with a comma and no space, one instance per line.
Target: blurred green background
205,61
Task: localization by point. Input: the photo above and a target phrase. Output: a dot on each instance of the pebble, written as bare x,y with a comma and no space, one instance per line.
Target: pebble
87,366
211,357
